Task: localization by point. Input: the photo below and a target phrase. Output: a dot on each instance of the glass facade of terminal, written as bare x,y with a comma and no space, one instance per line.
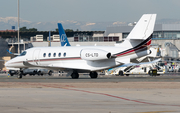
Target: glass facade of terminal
88,38
95,39
124,35
166,34
157,35
162,35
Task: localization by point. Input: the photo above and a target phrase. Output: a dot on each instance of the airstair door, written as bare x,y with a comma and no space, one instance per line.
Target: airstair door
36,60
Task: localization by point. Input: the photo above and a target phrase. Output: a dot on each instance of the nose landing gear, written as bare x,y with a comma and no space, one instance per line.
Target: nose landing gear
20,73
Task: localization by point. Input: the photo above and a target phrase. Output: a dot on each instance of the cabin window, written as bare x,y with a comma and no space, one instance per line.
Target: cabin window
23,53
64,54
54,54
49,54
44,54
59,54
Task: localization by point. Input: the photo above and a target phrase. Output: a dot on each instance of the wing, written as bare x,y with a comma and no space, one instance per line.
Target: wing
132,64
55,66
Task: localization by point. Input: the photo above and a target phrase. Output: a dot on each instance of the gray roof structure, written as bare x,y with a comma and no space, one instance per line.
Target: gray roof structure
127,29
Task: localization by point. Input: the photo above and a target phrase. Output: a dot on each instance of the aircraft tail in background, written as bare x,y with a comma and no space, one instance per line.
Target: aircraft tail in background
63,38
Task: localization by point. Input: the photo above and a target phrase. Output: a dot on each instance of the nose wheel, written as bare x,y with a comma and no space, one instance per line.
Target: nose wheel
19,76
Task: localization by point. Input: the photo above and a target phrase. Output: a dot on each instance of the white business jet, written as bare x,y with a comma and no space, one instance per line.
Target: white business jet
80,59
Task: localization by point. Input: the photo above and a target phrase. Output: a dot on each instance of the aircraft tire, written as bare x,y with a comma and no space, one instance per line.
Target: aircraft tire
150,73
93,74
74,75
19,76
121,73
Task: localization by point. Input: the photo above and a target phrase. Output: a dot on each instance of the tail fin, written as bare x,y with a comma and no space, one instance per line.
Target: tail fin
62,35
144,28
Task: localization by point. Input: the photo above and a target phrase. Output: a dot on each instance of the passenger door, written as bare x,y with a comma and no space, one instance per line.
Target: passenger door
36,60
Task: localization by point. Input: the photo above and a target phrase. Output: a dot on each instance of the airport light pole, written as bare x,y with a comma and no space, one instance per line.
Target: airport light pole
50,38
18,27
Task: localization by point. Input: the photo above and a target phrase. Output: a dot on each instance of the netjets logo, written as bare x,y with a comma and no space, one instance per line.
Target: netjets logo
63,36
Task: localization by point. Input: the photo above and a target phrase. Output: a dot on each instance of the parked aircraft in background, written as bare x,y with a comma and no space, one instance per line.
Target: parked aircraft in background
77,59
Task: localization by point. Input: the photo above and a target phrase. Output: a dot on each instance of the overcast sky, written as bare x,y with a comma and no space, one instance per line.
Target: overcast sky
89,10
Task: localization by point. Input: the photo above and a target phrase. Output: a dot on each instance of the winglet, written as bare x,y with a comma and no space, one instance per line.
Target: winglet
62,35
9,51
12,53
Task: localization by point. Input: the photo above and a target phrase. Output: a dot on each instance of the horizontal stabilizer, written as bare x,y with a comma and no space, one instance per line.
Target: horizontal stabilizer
144,28
124,61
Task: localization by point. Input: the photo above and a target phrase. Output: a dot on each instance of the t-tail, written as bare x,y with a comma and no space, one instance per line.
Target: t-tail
141,35
144,28
63,38
139,39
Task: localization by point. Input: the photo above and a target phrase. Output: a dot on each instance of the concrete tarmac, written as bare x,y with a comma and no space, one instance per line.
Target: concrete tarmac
107,94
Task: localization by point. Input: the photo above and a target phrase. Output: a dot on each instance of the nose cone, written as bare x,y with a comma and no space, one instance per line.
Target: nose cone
10,63
15,63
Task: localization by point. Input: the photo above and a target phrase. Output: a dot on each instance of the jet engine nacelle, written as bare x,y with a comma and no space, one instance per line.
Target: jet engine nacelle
144,53
94,54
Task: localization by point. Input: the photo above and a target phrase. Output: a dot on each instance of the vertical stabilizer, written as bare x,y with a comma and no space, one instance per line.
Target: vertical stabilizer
144,28
63,38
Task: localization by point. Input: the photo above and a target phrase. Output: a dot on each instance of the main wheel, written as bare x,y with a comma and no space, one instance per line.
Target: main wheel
75,75
93,74
121,73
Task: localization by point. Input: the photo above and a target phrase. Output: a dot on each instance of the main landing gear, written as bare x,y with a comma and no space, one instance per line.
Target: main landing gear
92,74
75,75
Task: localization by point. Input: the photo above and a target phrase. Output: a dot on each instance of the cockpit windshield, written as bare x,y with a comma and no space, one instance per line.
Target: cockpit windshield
23,53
